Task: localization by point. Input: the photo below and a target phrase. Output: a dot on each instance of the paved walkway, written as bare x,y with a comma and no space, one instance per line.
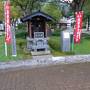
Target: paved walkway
58,77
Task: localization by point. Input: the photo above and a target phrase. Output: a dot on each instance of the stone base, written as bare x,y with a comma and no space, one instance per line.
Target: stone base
40,53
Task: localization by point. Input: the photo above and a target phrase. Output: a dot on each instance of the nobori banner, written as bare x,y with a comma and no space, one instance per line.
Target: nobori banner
7,22
78,27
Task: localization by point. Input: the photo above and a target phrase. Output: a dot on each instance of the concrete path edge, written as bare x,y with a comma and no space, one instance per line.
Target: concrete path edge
45,61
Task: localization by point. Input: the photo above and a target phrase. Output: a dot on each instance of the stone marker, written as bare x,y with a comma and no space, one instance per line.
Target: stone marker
65,41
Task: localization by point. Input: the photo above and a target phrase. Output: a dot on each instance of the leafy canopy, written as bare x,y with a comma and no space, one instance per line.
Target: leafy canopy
52,9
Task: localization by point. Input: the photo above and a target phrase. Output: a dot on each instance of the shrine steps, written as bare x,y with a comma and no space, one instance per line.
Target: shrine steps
36,53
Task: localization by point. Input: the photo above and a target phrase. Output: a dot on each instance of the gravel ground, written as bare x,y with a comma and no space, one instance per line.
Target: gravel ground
55,77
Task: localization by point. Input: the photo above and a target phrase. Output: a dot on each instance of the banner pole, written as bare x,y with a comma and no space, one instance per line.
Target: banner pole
7,25
14,51
5,29
72,43
5,49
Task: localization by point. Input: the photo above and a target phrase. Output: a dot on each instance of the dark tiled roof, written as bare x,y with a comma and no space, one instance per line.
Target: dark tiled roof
35,14
1,22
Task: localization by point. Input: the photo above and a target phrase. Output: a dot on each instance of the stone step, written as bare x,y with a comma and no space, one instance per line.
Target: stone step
36,53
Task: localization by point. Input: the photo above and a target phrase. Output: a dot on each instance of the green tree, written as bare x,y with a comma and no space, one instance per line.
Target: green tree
77,5
15,12
86,7
1,10
52,9
27,6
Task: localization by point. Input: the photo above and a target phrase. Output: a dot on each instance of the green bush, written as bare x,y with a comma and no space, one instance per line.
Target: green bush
54,43
21,26
21,35
55,46
56,32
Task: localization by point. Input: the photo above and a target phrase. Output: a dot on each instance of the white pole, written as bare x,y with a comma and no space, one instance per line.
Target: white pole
5,49
5,30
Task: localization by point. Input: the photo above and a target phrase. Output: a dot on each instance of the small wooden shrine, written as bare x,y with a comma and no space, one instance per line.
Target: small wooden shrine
37,30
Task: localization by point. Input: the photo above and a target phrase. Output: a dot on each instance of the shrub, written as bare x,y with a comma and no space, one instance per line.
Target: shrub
54,43
56,32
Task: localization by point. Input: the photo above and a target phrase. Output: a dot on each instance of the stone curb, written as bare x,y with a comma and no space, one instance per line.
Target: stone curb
45,61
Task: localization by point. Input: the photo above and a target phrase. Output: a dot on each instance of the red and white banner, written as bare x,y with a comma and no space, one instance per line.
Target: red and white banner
78,27
7,23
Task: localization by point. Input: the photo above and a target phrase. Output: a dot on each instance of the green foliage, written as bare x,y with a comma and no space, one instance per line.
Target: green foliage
57,32
1,10
21,31
2,51
26,6
15,12
86,8
22,53
20,8
52,10
54,43
82,48
21,27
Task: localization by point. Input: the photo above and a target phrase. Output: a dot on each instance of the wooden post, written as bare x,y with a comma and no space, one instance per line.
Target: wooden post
30,31
27,27
46,29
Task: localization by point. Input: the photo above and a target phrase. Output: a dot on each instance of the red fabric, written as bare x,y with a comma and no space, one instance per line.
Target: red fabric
78,27
7,23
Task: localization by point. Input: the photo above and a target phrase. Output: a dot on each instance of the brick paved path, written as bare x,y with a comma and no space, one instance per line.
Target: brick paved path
59,77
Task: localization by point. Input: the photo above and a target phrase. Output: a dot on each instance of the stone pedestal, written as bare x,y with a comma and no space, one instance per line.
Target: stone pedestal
38,43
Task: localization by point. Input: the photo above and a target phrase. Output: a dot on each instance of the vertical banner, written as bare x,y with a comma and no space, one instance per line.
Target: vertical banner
7,22
78,27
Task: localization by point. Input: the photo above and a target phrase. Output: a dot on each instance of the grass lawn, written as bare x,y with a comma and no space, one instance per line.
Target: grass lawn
82,48
22,53
55,46
54,43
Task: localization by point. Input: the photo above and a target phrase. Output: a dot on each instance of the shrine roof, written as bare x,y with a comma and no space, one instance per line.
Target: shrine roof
37,14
